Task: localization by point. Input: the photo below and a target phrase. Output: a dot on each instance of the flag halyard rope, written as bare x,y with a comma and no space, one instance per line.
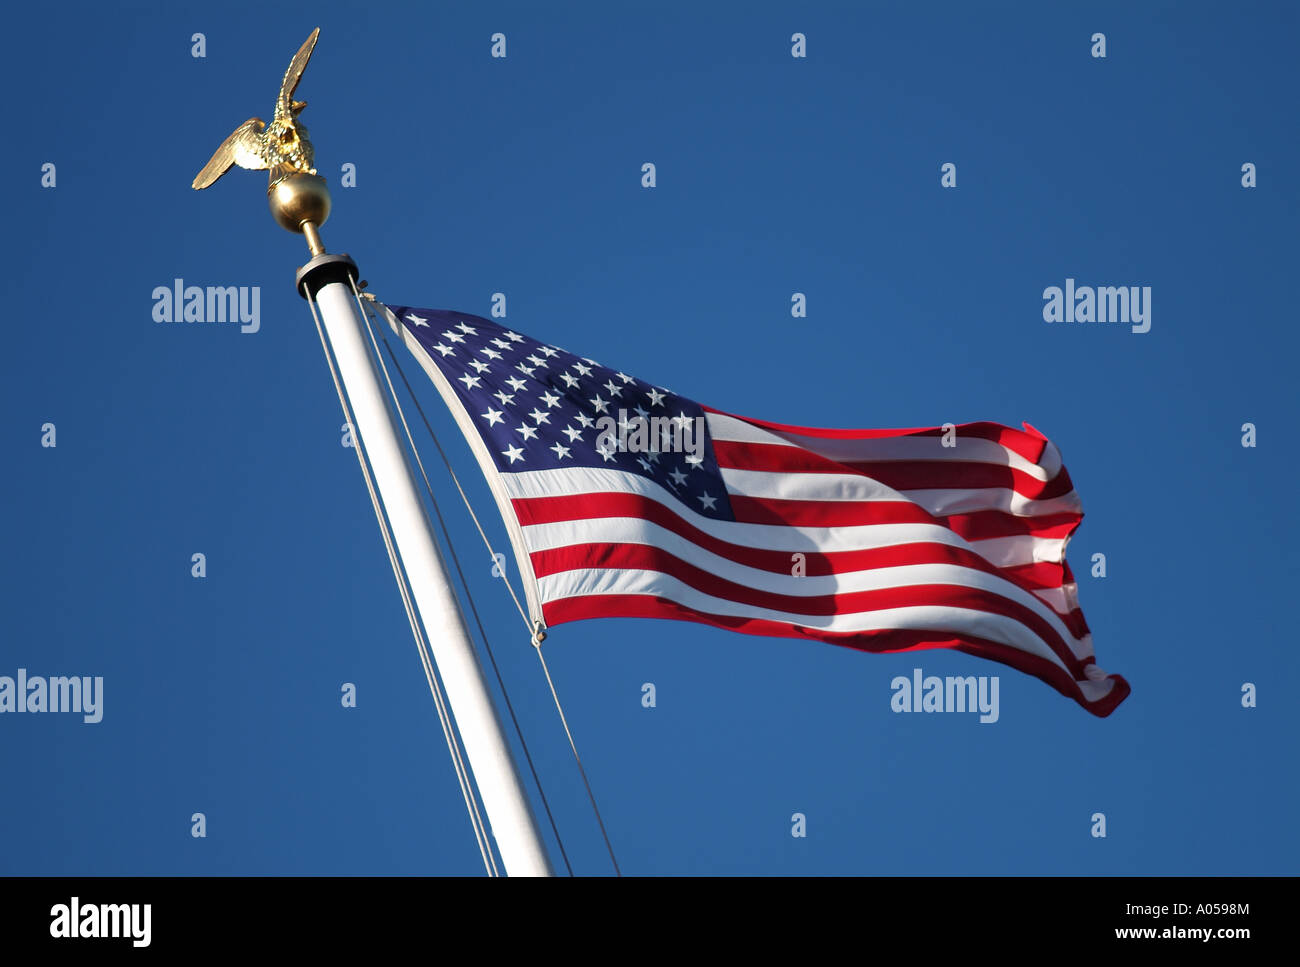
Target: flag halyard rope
536,634
446,534
537,646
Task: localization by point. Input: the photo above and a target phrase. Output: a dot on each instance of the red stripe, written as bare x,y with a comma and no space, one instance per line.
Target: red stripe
1040,574
948,474
647,558
979,525
988,524
828,513
648,606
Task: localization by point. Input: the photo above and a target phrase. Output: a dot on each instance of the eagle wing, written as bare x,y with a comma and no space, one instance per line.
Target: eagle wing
241,148
293,75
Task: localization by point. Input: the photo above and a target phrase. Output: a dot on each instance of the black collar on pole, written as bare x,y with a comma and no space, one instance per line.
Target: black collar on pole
321,271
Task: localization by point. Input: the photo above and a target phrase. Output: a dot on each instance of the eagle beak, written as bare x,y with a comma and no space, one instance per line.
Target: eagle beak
297,107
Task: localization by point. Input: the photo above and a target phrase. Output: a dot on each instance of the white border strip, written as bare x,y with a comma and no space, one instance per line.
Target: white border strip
485,462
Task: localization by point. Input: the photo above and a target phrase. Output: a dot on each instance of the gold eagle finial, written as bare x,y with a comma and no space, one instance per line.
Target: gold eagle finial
282,146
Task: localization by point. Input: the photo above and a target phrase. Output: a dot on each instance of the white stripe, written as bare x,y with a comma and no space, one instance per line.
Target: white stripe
959,621
1020,550
575,481
807,486
967,450
1095,691
762,537
1054,597
944,502
772,485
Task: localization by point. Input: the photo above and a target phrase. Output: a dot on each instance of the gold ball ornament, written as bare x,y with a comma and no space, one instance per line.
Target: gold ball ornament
299,198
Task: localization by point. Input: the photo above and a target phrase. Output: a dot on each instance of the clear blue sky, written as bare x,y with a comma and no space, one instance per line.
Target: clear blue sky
775,175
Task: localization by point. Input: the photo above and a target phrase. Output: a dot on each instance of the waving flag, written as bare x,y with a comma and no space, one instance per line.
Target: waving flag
624,499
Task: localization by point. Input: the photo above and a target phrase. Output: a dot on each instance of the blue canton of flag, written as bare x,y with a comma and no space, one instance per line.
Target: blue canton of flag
538,407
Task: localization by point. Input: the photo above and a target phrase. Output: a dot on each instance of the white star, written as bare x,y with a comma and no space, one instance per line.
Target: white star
550,399
418,320
694,461
453,336
569,381
656,398
539,417
526,370
645,464
585,421
548,351
516,383
582,370
492,416
679,478
614,390
641,414
490,353
501,344
513,336
469,381
514,453
561,451
708,502
469,329
682,420
527,431
605,452
505,398
572,434
445,350
536,361
600,405
480,367
624,377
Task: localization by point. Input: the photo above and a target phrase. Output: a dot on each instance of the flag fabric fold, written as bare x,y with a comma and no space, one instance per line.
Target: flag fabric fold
624,499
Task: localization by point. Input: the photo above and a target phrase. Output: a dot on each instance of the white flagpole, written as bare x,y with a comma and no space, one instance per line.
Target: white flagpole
301,203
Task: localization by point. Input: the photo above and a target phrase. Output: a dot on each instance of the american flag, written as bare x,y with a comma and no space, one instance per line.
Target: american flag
625,499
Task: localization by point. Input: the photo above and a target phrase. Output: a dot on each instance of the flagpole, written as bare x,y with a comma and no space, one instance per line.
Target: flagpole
300,202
